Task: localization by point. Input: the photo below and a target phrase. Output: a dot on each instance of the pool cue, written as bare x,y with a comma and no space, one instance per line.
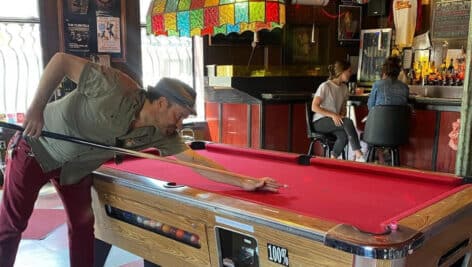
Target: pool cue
126,151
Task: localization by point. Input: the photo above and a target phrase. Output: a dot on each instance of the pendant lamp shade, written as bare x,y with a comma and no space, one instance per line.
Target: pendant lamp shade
211,17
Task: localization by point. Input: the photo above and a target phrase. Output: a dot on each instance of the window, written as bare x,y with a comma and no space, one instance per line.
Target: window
20,58
175,57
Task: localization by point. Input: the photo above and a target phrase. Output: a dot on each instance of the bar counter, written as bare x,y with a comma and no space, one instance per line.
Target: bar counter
418,102
269,113
447,98
435,108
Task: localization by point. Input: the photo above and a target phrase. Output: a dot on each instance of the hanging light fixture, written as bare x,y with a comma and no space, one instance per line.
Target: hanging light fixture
211,17
313,29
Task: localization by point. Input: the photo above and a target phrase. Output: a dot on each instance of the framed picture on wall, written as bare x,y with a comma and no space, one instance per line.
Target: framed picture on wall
303,44
88,28
349,23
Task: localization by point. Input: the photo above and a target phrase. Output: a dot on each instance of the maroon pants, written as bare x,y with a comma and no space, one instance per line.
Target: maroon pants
23,180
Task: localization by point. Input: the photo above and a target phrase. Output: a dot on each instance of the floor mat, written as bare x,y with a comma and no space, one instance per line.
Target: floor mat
43,222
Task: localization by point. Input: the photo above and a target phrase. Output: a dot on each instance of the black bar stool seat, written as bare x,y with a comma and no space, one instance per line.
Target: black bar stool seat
326,140
387,127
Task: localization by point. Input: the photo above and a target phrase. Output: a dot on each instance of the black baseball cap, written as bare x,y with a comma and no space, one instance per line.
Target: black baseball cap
175,91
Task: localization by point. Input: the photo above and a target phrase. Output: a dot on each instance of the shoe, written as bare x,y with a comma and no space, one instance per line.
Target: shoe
360,159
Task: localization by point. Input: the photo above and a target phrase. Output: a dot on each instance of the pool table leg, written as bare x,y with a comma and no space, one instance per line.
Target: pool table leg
101,250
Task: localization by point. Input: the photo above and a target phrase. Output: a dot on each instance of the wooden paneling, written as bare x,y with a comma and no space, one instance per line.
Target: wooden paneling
239,54
256,126
360,113
301,252
212,119
276,126
151,246
441,244
300,141
446,157
49,28
270,126
234,127
419,152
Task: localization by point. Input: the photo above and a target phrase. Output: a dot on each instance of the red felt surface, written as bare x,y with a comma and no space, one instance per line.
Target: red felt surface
363,195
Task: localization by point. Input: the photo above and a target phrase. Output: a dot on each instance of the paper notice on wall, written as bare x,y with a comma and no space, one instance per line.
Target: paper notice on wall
108,34
407,58
77,37
422,41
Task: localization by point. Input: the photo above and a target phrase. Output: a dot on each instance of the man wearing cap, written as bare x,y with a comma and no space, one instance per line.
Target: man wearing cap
107,107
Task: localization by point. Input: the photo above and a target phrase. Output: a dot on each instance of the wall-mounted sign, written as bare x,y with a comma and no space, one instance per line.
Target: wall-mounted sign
450,19
93,27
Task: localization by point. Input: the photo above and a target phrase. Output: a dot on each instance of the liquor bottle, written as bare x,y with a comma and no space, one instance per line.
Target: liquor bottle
443,72
432,74
450,68
415,79
443,66
451,73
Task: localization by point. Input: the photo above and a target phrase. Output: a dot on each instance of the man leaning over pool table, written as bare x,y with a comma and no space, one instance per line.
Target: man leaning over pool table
107,107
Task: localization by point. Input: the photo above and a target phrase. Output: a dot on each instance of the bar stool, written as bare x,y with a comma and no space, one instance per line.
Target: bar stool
326,140
387,127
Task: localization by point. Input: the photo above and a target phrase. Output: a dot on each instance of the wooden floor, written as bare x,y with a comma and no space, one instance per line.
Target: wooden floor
53,250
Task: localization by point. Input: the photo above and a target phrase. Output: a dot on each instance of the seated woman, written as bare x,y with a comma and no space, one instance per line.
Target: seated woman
389,90
329,105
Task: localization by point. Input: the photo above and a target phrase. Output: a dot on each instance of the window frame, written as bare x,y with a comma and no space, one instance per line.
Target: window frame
197,67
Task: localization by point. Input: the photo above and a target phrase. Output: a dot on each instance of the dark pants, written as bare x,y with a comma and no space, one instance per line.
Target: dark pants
344,134
23,181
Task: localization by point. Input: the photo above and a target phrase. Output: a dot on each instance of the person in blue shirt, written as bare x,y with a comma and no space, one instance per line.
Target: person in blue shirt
389,90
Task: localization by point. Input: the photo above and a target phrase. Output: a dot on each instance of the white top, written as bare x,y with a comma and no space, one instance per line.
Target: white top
332,97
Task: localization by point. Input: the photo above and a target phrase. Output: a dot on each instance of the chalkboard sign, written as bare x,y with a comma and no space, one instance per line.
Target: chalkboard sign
450,19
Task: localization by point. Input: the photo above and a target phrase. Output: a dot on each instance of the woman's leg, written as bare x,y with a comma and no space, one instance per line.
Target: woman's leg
326,125
77,202
351,132
340,143
23,180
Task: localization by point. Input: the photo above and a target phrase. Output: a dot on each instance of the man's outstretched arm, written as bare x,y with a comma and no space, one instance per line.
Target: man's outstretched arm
247,183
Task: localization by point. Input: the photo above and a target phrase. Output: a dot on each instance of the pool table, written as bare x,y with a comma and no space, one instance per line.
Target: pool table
332,213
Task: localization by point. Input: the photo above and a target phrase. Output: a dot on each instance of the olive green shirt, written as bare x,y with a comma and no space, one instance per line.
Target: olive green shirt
100,110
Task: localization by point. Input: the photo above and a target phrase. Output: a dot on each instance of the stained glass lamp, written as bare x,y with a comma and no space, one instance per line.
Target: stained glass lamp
211,17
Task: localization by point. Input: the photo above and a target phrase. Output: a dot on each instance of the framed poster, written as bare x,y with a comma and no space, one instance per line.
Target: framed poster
374,48
92,27
303,44
349,23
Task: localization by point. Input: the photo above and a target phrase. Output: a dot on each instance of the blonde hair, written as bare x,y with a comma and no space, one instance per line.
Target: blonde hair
336,69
